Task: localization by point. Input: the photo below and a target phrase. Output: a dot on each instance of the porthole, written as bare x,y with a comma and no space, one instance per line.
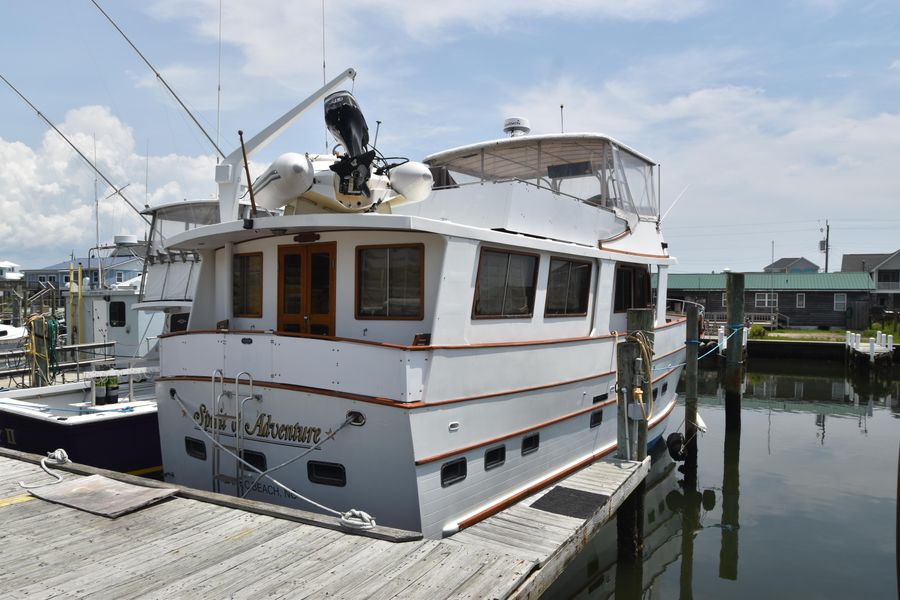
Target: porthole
596,418
195,448
326,473
494,457
530,443
257,459
453,472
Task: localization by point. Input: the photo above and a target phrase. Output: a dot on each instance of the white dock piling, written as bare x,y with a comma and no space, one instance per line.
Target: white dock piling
871,349
722,340
890,343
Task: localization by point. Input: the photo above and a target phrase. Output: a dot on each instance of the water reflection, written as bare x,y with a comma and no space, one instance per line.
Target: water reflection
795,504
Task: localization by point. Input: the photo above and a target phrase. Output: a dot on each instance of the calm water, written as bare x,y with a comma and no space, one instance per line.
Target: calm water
801,503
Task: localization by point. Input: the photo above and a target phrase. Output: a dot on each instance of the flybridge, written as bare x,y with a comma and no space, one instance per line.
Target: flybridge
589,167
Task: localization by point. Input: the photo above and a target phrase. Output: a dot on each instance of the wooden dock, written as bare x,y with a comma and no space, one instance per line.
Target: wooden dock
202,545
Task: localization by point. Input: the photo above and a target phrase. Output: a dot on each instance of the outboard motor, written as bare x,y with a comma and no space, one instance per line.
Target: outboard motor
346,122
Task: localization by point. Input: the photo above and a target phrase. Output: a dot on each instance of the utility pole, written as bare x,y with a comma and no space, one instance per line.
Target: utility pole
827,247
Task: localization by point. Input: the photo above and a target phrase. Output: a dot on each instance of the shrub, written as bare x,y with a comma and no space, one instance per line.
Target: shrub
757,331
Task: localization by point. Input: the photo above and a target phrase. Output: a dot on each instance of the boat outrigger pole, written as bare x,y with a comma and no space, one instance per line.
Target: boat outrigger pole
228,173
118,189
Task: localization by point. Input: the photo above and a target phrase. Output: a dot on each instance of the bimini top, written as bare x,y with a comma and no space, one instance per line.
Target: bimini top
517,157
591,167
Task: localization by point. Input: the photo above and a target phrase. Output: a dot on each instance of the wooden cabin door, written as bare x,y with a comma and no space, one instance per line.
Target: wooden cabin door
306,288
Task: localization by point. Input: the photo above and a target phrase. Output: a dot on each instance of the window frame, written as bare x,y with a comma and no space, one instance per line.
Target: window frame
192,448
536,436
109,313
646,292
801,300
262,270
537,268
496,463
356,285
767,297
448,481
835,301
587,289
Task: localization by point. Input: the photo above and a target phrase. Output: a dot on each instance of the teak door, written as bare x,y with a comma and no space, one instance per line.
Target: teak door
306,288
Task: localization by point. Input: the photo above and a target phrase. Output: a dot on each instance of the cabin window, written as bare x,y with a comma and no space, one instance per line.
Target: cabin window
632,287
120,276
453,472
601,398
801,300
596,418
256,459
247,285
195,448
117,314
389,282
766,300
530,443
494,457
665,388
568,288
840,302
724,300
326,473
505,284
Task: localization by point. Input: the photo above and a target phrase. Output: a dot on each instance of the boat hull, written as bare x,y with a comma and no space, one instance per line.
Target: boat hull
128,444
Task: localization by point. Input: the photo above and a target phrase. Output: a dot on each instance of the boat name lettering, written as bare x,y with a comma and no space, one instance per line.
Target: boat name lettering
264,427
294,432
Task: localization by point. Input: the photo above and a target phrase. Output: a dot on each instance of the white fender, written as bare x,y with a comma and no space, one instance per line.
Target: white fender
412,180
287,178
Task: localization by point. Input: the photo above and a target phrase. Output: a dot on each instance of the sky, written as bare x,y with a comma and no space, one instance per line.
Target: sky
768,118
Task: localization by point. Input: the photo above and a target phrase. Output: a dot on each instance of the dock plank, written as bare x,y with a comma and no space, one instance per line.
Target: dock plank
204,545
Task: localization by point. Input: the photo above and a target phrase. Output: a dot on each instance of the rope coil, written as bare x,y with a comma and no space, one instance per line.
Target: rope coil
59,457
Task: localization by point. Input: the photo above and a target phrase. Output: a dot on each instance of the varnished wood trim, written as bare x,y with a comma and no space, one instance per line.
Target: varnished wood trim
387,345
529,429
305,389
523,431
671,323
507,502
630,253
421,247
520,390
618,236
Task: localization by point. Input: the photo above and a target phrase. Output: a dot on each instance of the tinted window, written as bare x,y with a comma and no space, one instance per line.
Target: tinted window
117,314
247,285
596,418
505,286
632,287
568,288
389,282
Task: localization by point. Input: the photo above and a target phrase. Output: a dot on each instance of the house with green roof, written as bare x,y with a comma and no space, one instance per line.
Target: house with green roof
821,300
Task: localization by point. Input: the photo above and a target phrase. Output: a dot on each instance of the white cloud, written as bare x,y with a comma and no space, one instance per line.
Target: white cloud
895,66
748,156
47,198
